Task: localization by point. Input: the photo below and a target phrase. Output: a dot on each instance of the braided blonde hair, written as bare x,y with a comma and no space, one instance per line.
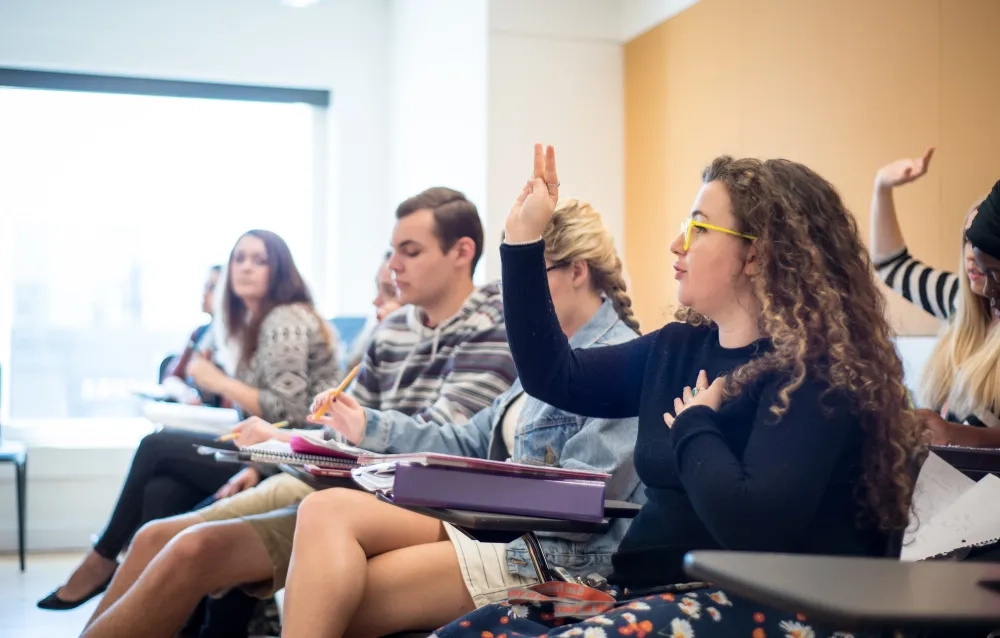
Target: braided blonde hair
577,233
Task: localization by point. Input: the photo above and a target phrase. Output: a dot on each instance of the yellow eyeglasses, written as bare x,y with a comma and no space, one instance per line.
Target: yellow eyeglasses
689,223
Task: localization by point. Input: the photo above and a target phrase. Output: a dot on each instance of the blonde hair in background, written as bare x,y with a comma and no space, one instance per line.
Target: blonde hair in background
577,233
962,371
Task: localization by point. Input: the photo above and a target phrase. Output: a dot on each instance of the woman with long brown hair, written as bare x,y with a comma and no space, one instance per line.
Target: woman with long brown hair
287,356
772,417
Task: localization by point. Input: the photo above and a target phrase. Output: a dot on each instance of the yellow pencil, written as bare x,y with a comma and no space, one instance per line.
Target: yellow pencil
232,435
336,393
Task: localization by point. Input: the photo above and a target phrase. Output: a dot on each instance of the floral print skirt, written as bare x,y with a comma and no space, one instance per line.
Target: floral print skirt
696,614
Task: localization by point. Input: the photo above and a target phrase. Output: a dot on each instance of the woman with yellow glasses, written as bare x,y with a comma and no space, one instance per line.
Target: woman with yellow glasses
772,418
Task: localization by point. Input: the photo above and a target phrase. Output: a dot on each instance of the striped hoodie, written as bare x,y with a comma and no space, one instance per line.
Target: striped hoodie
443,374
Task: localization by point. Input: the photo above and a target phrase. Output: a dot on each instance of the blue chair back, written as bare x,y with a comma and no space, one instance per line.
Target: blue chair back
348,328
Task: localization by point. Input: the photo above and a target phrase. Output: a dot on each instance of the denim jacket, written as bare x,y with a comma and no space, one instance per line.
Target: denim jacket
545,435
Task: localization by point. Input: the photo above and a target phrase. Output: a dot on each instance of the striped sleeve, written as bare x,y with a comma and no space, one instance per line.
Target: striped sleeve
936,291
366,388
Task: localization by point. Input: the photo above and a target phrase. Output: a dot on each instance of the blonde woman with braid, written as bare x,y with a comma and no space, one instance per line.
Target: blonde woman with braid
960,383
354,554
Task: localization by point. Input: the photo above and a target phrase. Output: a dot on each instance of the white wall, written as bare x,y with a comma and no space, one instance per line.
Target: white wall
638,16
73,482
467,107
341,46
438,96
555,79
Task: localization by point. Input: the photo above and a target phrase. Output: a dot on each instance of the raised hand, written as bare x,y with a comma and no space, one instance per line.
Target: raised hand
537,202
904,171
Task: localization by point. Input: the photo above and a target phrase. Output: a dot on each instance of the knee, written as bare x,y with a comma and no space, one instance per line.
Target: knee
193,550
155,445
149,445
152,537
319,508
311,511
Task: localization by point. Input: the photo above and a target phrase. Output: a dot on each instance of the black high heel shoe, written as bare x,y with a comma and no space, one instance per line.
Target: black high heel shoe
53,602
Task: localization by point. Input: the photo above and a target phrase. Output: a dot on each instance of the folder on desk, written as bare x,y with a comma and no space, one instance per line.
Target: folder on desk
433,480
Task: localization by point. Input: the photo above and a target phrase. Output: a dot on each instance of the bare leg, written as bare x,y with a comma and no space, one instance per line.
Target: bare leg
149,540
424,583
201,560
330,575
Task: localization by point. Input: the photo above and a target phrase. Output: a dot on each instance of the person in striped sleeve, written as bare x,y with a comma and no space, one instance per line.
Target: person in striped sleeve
441,358
958,385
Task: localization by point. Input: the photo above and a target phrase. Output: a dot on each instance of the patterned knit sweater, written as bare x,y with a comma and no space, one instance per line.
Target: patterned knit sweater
295,360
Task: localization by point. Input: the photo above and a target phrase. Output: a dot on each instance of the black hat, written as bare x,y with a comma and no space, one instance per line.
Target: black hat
984,233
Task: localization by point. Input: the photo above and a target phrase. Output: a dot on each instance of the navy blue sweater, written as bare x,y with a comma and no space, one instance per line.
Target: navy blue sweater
737,479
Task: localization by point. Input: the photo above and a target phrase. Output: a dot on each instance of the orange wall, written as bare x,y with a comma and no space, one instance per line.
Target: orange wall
841,85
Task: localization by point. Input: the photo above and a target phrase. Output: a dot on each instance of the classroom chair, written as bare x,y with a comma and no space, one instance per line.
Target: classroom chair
16,453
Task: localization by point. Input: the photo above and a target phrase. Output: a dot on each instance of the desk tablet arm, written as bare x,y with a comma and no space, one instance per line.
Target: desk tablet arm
973,462
929,599
490,527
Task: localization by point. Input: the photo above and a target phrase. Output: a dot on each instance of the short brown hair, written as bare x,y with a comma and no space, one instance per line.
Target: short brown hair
454,217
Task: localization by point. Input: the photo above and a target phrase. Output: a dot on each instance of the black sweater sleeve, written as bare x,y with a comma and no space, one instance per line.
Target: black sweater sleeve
787,466
601,382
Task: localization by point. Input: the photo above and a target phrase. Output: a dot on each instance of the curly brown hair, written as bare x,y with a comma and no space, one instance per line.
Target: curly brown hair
825,317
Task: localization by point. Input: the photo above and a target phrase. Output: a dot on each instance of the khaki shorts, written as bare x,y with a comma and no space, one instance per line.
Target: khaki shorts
270,509
484,568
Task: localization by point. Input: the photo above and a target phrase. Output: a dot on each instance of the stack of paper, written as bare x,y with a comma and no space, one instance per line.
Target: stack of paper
951,512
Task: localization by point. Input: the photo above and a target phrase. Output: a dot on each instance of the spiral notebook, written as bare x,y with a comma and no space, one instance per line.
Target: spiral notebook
279,452
952,512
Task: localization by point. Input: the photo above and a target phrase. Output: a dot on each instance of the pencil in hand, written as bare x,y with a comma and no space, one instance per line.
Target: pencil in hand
233,435
336,393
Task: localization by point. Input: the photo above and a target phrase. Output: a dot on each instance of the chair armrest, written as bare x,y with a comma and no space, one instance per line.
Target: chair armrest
621,509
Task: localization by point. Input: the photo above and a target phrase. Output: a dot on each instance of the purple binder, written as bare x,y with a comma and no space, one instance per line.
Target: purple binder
428,486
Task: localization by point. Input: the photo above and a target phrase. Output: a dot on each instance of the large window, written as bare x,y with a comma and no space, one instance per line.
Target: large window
112,208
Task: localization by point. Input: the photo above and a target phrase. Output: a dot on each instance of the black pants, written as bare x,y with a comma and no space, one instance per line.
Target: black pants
167,477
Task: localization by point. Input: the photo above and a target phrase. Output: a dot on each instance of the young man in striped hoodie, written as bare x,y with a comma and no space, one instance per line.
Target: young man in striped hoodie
440,358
